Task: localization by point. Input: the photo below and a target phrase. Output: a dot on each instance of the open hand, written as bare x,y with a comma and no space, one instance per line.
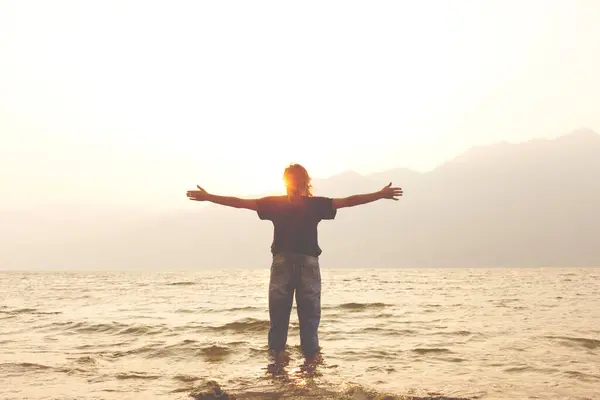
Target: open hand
389,192
198,195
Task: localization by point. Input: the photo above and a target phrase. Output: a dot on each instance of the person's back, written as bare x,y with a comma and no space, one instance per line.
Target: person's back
295,221
295,249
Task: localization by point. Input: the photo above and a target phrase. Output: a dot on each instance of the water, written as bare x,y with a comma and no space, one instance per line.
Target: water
416,334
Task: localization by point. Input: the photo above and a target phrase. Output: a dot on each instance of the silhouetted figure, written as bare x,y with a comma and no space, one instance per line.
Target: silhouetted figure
295,249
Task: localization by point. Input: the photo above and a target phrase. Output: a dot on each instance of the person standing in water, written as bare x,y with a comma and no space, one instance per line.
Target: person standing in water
295,250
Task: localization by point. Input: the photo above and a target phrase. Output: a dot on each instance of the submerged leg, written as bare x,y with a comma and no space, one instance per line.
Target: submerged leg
308,301
281,295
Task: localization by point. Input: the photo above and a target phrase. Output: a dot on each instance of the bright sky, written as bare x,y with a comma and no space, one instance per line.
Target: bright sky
134,102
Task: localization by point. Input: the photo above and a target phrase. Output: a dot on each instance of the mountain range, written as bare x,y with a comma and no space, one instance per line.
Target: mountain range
532,204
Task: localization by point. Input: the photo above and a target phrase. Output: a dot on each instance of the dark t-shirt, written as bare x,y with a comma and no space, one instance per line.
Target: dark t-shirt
295,222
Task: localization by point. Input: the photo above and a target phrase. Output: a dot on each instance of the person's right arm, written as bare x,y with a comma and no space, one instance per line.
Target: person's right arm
229,201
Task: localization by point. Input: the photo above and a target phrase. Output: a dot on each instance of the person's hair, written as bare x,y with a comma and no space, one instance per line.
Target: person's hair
297,180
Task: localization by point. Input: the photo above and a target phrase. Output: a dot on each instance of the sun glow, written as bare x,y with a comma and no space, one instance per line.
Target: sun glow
267,179
226,97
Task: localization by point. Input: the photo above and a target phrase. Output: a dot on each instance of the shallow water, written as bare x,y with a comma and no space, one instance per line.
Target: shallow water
416,334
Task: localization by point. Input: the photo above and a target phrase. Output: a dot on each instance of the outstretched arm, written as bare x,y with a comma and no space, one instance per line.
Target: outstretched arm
387,192
235,202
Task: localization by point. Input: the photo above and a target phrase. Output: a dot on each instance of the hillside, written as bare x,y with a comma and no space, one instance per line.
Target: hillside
512,205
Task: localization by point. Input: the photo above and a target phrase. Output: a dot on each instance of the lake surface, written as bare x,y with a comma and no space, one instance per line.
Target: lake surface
410,333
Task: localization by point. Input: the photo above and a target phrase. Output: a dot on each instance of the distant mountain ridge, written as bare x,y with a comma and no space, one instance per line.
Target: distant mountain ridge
506,205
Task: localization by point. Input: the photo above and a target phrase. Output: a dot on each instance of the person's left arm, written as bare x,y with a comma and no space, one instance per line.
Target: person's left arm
388,192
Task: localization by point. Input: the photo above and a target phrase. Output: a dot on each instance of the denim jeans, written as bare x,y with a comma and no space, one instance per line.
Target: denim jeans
300,273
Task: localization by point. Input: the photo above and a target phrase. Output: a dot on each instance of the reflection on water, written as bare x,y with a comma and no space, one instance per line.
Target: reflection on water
385,334
279,362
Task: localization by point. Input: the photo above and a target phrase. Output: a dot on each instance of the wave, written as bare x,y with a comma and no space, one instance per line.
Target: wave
186,349
184,311
243,325
143,330
135,375
200,388
577,341
424,351
246,308
455,359
86,360
220,310
116,328
383,331
32,311
358,306
20,369
215,352
25,366
147,349
582,376
371,354
211,390
382,315
455,333
382,368
102,346
527,368
186,378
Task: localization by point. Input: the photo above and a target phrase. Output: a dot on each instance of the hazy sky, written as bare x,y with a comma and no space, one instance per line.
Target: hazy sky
133,103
